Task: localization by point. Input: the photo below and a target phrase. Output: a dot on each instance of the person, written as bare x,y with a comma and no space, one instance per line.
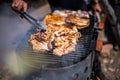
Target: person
112,9
21,5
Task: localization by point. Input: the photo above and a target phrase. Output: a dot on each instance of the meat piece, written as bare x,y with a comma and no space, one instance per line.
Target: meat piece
70,48
64,47
79,22
61,13
66,40
83,14
37,46
54,19
66,13
41,41
58,51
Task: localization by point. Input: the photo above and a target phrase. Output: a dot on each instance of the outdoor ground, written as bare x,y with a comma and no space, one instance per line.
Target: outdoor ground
110,60
12,26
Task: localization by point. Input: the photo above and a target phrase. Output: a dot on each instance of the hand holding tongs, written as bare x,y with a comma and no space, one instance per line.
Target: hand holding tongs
34,21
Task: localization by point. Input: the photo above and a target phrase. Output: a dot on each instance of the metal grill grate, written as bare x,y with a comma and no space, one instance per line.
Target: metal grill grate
47,59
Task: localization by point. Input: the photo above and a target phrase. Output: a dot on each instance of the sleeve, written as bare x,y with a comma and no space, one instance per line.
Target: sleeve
108,9
87,1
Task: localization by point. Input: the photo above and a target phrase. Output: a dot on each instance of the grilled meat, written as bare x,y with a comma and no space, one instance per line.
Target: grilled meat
54,19
60,38
66,39
40,45
66,13
63,38
79,22
78,18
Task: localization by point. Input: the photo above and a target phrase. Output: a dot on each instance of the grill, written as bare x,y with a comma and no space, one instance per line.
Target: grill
47,60
77,65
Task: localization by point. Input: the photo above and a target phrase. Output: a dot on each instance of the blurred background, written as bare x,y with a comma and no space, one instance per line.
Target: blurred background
13,28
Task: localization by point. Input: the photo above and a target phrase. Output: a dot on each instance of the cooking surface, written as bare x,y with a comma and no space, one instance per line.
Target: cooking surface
47,59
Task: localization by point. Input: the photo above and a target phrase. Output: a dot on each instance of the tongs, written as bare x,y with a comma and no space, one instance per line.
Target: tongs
32,20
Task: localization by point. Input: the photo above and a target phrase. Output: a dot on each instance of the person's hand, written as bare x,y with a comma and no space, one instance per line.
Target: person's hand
19,5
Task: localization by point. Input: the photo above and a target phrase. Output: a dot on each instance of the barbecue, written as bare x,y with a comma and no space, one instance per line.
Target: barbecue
47,42
40,55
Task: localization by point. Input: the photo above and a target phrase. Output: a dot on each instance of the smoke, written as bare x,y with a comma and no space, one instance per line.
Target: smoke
12,30
11,26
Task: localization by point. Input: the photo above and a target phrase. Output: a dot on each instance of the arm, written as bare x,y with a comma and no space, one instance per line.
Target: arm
19,5
109,11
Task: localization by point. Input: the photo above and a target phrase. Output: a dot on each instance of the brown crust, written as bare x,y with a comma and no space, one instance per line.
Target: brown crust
54,20
79,22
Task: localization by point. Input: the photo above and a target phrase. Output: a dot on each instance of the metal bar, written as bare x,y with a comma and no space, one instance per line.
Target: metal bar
49,58
27,18
26,15
33,21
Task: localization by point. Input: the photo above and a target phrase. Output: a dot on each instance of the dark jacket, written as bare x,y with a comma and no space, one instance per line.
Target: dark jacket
68,4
